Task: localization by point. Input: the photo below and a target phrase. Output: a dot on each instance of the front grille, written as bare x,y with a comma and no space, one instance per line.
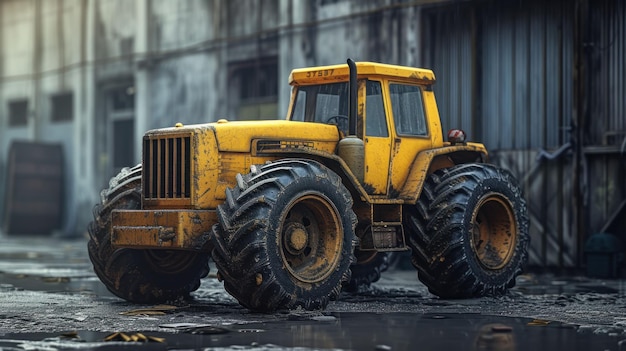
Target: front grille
167,167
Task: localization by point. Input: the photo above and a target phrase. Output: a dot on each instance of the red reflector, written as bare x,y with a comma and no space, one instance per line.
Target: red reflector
456,136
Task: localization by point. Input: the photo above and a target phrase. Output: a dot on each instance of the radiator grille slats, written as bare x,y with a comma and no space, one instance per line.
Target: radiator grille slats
166,163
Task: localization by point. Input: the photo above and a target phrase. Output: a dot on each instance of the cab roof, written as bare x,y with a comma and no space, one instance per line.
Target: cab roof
340,73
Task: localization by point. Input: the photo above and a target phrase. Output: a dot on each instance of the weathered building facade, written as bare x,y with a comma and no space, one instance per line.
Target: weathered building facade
540,82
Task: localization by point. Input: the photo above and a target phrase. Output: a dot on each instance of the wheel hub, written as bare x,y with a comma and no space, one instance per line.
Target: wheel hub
297,238
493,233
311,238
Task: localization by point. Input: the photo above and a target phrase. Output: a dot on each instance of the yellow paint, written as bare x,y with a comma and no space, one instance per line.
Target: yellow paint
424,164
237,136
395,165
388,159
340,73
377,154
165,229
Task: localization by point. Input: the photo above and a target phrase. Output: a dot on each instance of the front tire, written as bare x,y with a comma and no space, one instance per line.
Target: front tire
285,236
469,231
139,276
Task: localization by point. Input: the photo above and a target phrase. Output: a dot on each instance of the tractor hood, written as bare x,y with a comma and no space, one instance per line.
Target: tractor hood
238,136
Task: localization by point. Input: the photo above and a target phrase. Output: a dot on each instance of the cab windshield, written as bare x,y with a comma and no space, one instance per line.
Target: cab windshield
325,103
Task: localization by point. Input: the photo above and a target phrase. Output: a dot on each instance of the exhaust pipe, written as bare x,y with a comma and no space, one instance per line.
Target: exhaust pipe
352,149
352,99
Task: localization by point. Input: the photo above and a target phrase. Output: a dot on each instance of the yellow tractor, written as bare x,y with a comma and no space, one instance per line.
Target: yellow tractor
293,211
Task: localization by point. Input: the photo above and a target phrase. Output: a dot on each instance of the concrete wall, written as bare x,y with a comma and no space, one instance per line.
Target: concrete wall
177,61
41,57
175,57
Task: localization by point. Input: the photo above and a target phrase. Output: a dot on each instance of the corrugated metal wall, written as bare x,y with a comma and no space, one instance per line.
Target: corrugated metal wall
506,74
606,51
504,71
455,65
605,120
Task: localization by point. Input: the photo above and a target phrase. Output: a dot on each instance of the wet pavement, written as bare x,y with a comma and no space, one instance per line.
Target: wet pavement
50,299
354,331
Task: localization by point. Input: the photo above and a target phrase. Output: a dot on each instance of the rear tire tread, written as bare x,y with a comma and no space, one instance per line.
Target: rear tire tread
438,237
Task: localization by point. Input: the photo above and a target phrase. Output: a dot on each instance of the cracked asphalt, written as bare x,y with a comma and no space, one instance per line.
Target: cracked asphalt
48,288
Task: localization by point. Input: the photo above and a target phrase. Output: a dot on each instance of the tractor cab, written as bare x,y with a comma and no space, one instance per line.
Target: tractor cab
392,118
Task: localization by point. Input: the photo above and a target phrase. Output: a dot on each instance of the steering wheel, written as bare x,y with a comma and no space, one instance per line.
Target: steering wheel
341,121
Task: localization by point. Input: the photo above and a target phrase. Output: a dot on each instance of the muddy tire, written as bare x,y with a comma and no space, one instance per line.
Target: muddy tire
367,269
469,231
285,236
139,276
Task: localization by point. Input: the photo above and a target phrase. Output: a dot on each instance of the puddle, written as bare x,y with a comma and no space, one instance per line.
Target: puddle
77,341
42,264
44,248
341,331
66,270
551,285
59,283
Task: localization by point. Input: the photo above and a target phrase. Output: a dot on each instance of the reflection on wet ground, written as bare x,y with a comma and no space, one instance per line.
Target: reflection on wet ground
58,283
32,264
550,284
47,266
341,331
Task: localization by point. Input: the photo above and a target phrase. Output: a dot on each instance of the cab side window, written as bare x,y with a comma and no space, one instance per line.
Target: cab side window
298,108
408,109
375,123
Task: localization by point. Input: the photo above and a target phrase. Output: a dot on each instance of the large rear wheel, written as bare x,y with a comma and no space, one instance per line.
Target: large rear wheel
469,231
285,236
140,276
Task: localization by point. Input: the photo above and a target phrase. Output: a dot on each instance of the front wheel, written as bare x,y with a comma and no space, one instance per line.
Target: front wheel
285,236
140,276
469,231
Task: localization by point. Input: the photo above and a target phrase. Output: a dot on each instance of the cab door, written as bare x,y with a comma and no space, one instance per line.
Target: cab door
409,130
377,139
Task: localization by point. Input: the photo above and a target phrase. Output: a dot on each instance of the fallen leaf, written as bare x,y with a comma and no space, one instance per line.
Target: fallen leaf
155,339
112,337
151,311
538,323
70,335
56,279
136,337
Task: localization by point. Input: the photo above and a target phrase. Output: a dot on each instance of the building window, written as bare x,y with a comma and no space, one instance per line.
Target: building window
18,113
123,136
121,116
62,107
123,98
256,83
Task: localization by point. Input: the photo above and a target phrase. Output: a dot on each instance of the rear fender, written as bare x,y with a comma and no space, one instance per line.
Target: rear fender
428,161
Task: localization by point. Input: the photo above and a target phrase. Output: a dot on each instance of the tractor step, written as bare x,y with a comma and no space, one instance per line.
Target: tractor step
388,236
